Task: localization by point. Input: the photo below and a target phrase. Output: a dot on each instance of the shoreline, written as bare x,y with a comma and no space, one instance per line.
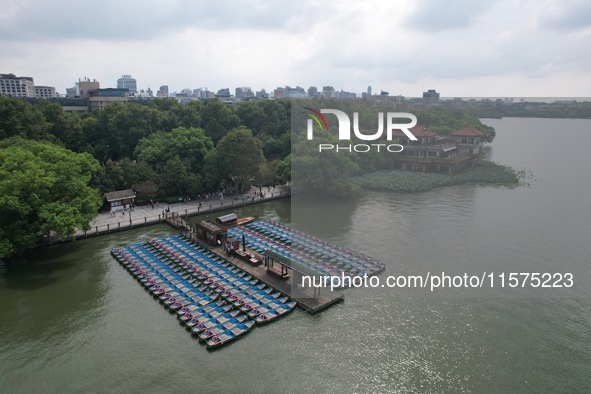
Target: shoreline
104,223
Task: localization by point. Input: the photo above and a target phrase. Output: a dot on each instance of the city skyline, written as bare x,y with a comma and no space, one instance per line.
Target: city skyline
462,48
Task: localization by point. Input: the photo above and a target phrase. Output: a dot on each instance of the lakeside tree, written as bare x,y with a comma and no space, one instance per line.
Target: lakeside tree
283,169
65,127
237,157
217,119
43,190
19,118
327,172
178,177
125,174
190,144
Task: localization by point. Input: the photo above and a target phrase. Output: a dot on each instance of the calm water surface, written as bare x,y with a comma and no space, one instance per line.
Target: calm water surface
72,320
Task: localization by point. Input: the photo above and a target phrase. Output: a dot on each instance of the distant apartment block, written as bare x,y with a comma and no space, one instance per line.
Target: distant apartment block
313,92
100,98
297,92
278,93
430,96
223,93
243,93
18,87
346,95
262,94
45,92
127,82
82,87
162,91
328,91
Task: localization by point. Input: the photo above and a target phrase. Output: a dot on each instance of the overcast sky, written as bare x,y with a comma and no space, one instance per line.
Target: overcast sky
521,48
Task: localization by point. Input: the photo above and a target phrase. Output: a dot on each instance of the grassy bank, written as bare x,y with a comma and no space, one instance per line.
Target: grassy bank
483,173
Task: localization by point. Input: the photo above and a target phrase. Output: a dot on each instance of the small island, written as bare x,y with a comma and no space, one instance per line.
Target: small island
437,160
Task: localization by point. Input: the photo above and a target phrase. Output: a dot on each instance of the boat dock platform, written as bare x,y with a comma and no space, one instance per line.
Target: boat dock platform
292,262
304,298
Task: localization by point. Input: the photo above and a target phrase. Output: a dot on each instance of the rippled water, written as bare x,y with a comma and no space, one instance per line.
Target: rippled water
72,320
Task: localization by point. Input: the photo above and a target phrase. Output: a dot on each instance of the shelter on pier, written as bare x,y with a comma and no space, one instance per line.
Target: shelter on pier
210,232
298,271
228,220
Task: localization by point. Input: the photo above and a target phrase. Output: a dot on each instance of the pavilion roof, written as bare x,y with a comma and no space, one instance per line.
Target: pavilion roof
119,195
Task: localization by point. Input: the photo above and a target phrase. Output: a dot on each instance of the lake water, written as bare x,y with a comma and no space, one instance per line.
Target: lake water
72,320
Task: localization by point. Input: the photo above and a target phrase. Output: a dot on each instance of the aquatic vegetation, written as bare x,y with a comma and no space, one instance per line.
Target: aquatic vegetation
485,173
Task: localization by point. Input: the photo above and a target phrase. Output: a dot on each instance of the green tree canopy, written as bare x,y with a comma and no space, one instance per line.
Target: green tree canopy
177,177
43,189
189,144
19,118
217,118
237,157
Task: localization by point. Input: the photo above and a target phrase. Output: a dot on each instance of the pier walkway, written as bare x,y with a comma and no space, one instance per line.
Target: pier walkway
304,297
105,222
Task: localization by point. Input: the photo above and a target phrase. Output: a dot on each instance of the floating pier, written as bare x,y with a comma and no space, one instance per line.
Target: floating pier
223,290
214,300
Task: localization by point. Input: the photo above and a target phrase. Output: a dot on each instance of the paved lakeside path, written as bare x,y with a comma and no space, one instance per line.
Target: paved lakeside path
144,215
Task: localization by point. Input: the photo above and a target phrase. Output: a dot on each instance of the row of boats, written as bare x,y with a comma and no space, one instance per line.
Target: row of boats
215,300
324,257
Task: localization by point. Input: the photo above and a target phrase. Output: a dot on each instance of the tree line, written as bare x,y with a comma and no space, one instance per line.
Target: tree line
164,148
55,165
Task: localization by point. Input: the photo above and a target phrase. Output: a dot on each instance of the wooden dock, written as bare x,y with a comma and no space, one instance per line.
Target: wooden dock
304,297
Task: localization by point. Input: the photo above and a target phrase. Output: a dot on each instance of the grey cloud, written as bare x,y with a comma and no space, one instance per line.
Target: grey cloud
139,20
573,16
438,15
453,56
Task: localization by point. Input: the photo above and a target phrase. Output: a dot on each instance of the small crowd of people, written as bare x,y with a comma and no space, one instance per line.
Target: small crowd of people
114,210
230,252
253,194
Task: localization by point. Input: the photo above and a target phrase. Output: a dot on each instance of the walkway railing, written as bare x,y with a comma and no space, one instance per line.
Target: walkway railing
171,217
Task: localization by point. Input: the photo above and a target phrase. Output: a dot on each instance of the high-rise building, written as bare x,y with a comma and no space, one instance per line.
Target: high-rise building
369,90
328,91
347,95
297,92
223,93
430,96
100,98
127,82
83,86
262,94
45,92
278,93
163,91
313,91
19,87
244,93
